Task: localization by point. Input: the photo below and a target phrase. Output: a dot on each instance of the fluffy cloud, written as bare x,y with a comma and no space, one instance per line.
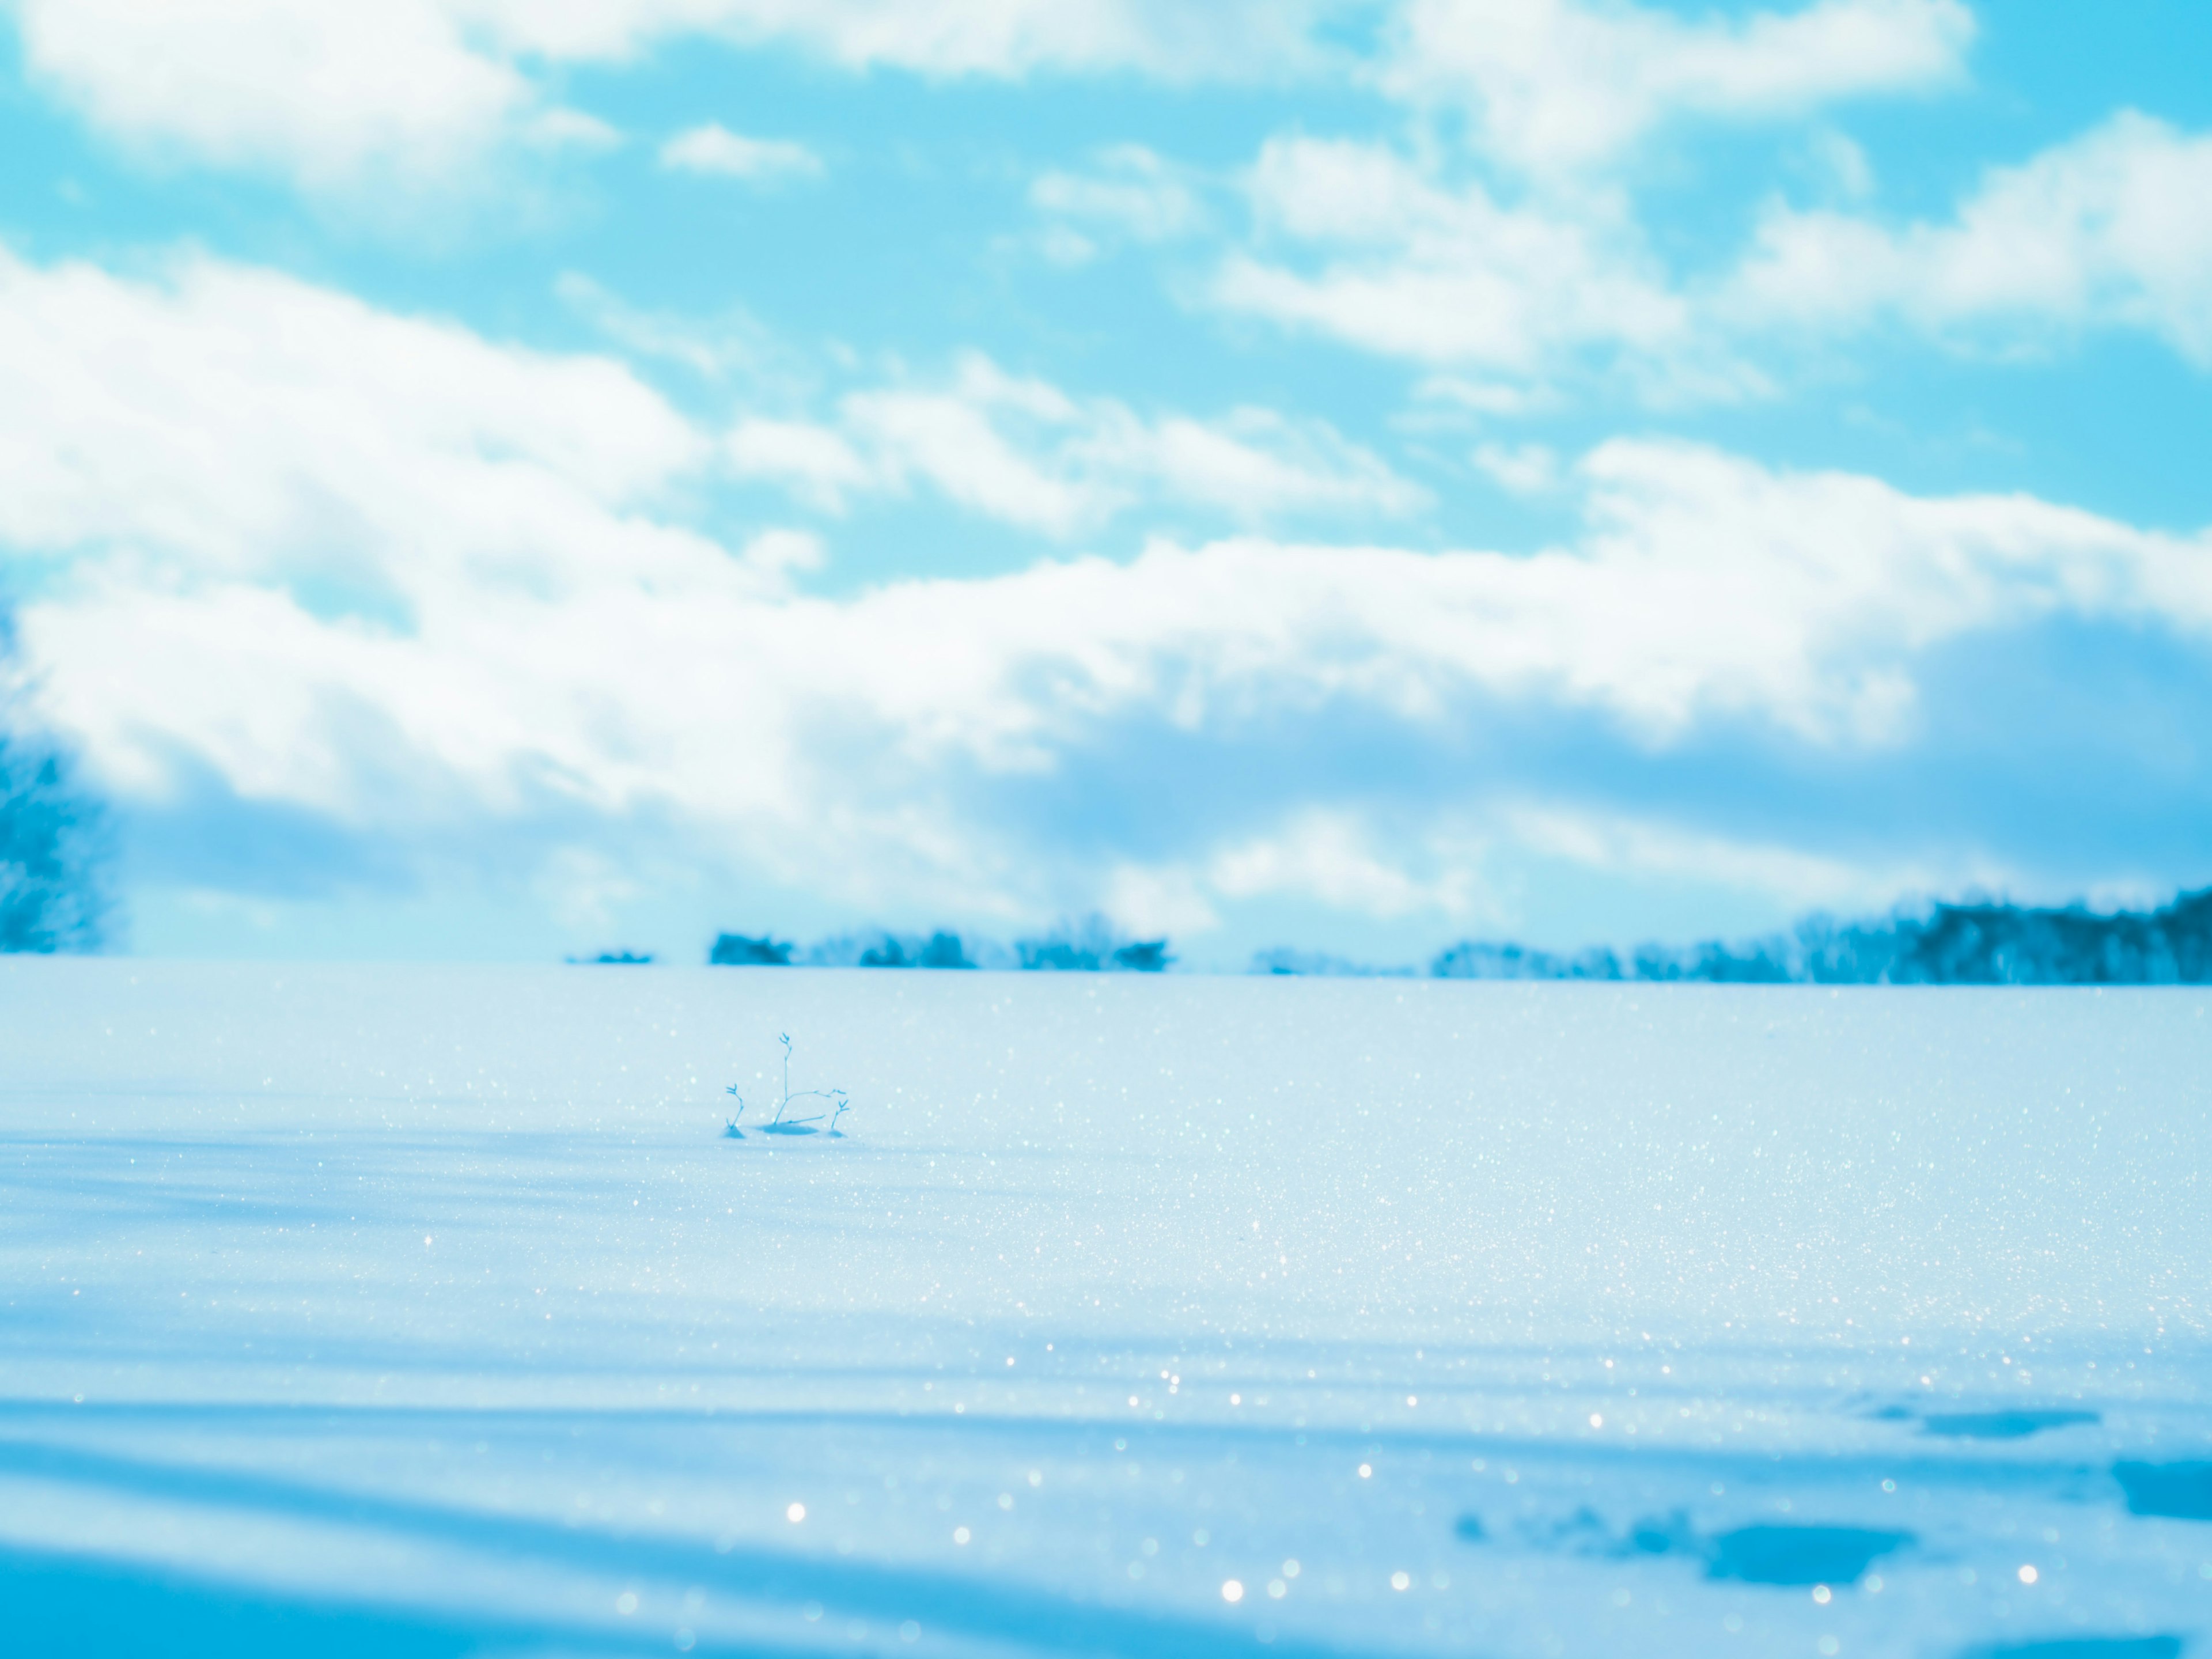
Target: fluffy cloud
1026,453
332,93
733,346
1237,37
381,571
1403,266
2112,230
1627,842
238,439
1520,469
714,148
235,416
1422,258
325,93
1131,192
1330,855
1555,84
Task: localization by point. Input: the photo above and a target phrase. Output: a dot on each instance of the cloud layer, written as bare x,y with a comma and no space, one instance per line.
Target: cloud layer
379,570
1027,454
331,95
328,93
2110,229
987,496
1410,269
713,149
1554,84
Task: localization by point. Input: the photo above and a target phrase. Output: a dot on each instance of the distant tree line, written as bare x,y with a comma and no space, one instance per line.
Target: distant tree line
1970,944
1288,959
1089,946
1980,942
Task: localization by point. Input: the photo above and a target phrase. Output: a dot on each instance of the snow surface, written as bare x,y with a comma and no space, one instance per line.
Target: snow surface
428,1311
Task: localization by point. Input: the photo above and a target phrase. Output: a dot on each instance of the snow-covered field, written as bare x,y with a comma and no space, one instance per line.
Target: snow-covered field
428,1311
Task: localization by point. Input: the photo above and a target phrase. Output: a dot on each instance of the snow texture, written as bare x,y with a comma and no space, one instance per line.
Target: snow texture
430,1311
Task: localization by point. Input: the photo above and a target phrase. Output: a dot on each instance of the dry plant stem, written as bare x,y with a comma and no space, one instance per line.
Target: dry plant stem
777,1124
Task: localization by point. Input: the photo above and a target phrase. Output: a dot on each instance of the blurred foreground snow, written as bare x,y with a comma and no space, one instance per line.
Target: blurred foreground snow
426,1312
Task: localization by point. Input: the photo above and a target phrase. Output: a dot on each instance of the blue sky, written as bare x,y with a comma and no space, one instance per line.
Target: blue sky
494,479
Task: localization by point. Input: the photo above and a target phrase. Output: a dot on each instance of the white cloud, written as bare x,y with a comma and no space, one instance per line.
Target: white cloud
1361,244
1328,856
776,553
1630,844
2113,229
252,437
1558,84
1407,268
1449,870
378,569
1843,163
1004,38
1449,400
1256,465
568,129
325,93
812,462
1520,469
959,439
714,148
732,346
1064,246
334,94
139,376
1717,585
1167,901
1027,454
1132,192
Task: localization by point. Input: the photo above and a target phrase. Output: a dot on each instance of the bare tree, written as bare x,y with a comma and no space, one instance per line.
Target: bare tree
53,839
